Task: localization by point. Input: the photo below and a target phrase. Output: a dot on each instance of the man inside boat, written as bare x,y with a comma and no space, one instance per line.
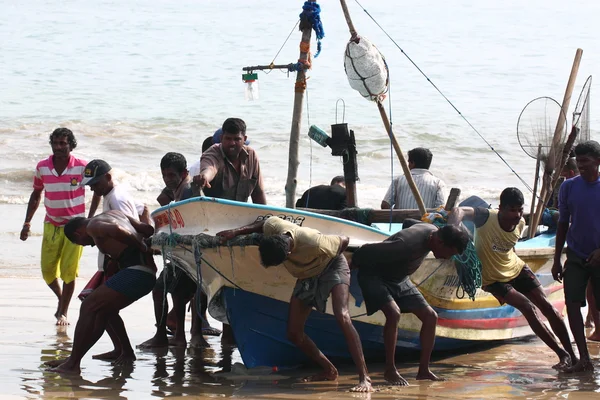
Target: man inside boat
231,170
507,277
400,196
122,239
173,279
579,226
325,197
384,271
317,262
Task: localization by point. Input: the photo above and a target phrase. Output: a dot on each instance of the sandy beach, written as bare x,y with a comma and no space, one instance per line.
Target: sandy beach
28,338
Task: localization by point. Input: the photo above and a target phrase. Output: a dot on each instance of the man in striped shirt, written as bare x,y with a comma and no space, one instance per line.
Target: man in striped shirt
59,176
431,188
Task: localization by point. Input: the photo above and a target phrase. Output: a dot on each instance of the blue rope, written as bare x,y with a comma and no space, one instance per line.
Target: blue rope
311,11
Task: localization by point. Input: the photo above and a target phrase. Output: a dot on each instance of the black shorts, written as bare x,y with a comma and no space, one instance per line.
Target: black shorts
315,291
524,283
378,291
175,281
576,276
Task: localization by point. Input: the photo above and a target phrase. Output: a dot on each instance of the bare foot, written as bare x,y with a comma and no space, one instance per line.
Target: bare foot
580,366
55,363
62,321
109,356
428,375
393,377
563,363
198,342
595,336
125,359
364,385
155,341
589,323
178,342
323,376
67,368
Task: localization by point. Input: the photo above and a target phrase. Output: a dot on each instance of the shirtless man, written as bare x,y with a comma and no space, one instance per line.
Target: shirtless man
317,262
121,238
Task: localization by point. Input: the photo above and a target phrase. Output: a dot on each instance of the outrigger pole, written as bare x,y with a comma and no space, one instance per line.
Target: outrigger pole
303,64
547,178
378,97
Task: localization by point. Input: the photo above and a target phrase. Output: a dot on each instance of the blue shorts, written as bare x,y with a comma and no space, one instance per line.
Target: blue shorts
133,282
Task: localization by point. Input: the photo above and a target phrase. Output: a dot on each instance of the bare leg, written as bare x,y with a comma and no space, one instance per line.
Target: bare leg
295,332
523,304
65,300
197,341
577,329
179,304
227,338
117,348
55,287
557,323
429,318
592,312
96,310
339,297
390,336
589,296
160,315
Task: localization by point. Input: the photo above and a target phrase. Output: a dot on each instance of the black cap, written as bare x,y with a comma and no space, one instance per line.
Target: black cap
94,170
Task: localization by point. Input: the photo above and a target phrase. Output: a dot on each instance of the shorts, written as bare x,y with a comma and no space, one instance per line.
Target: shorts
524,283
314,291
60,256
379,291
133,282
576,276
175,281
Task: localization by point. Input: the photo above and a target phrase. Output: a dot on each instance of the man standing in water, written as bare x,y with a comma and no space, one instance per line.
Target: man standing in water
506,276
231,170
317,262
383,276
121,238
59,177
579,225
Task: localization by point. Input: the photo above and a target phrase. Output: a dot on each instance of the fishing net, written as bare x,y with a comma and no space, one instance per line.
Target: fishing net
468,265
581,115
536,126
366,69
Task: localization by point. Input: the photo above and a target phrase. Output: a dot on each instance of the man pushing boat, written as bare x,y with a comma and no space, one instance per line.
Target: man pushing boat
317,262
383,276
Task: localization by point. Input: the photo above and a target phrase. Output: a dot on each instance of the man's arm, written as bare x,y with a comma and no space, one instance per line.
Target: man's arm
145,229
100,231
385,205
256,227
145,216
209,166
440,196
94,205
459,213
32,206
561,236
258,195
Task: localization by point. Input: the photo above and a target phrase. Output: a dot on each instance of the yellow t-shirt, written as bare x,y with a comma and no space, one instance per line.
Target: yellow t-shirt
312,250
495,249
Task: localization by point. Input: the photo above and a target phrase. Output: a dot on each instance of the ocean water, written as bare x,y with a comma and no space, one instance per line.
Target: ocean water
136,79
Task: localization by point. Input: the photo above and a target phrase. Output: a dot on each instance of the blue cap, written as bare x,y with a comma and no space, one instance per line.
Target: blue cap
217,137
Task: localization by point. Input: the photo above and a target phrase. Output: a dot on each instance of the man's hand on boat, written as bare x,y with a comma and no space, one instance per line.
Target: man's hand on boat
227,235
201,181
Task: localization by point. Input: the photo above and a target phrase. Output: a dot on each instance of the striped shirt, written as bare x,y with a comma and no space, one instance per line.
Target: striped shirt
64,198
430,187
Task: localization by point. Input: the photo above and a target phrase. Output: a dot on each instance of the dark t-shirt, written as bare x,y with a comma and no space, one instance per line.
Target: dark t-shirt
323,197
397,256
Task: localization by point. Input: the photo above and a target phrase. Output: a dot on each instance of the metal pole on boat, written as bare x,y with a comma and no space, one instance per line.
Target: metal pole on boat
558,132
299,88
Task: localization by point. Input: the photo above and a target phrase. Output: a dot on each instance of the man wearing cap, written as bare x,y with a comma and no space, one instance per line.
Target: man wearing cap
59,177
231,170
98,176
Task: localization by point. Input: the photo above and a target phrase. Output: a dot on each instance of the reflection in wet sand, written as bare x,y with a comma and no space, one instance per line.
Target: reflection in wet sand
519,369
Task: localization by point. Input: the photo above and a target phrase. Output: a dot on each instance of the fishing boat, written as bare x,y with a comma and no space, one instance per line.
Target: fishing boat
254,300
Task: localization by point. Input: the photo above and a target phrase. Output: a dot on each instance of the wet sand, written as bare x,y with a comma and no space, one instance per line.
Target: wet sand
29,338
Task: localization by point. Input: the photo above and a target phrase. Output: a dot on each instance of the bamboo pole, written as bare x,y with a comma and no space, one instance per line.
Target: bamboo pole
550,164
300,87
403,163
536,179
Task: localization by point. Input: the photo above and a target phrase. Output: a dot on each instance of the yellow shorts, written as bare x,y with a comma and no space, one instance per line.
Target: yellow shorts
60,257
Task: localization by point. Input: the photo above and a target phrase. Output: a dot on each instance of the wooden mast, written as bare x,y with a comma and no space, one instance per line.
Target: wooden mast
299,88
546,188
